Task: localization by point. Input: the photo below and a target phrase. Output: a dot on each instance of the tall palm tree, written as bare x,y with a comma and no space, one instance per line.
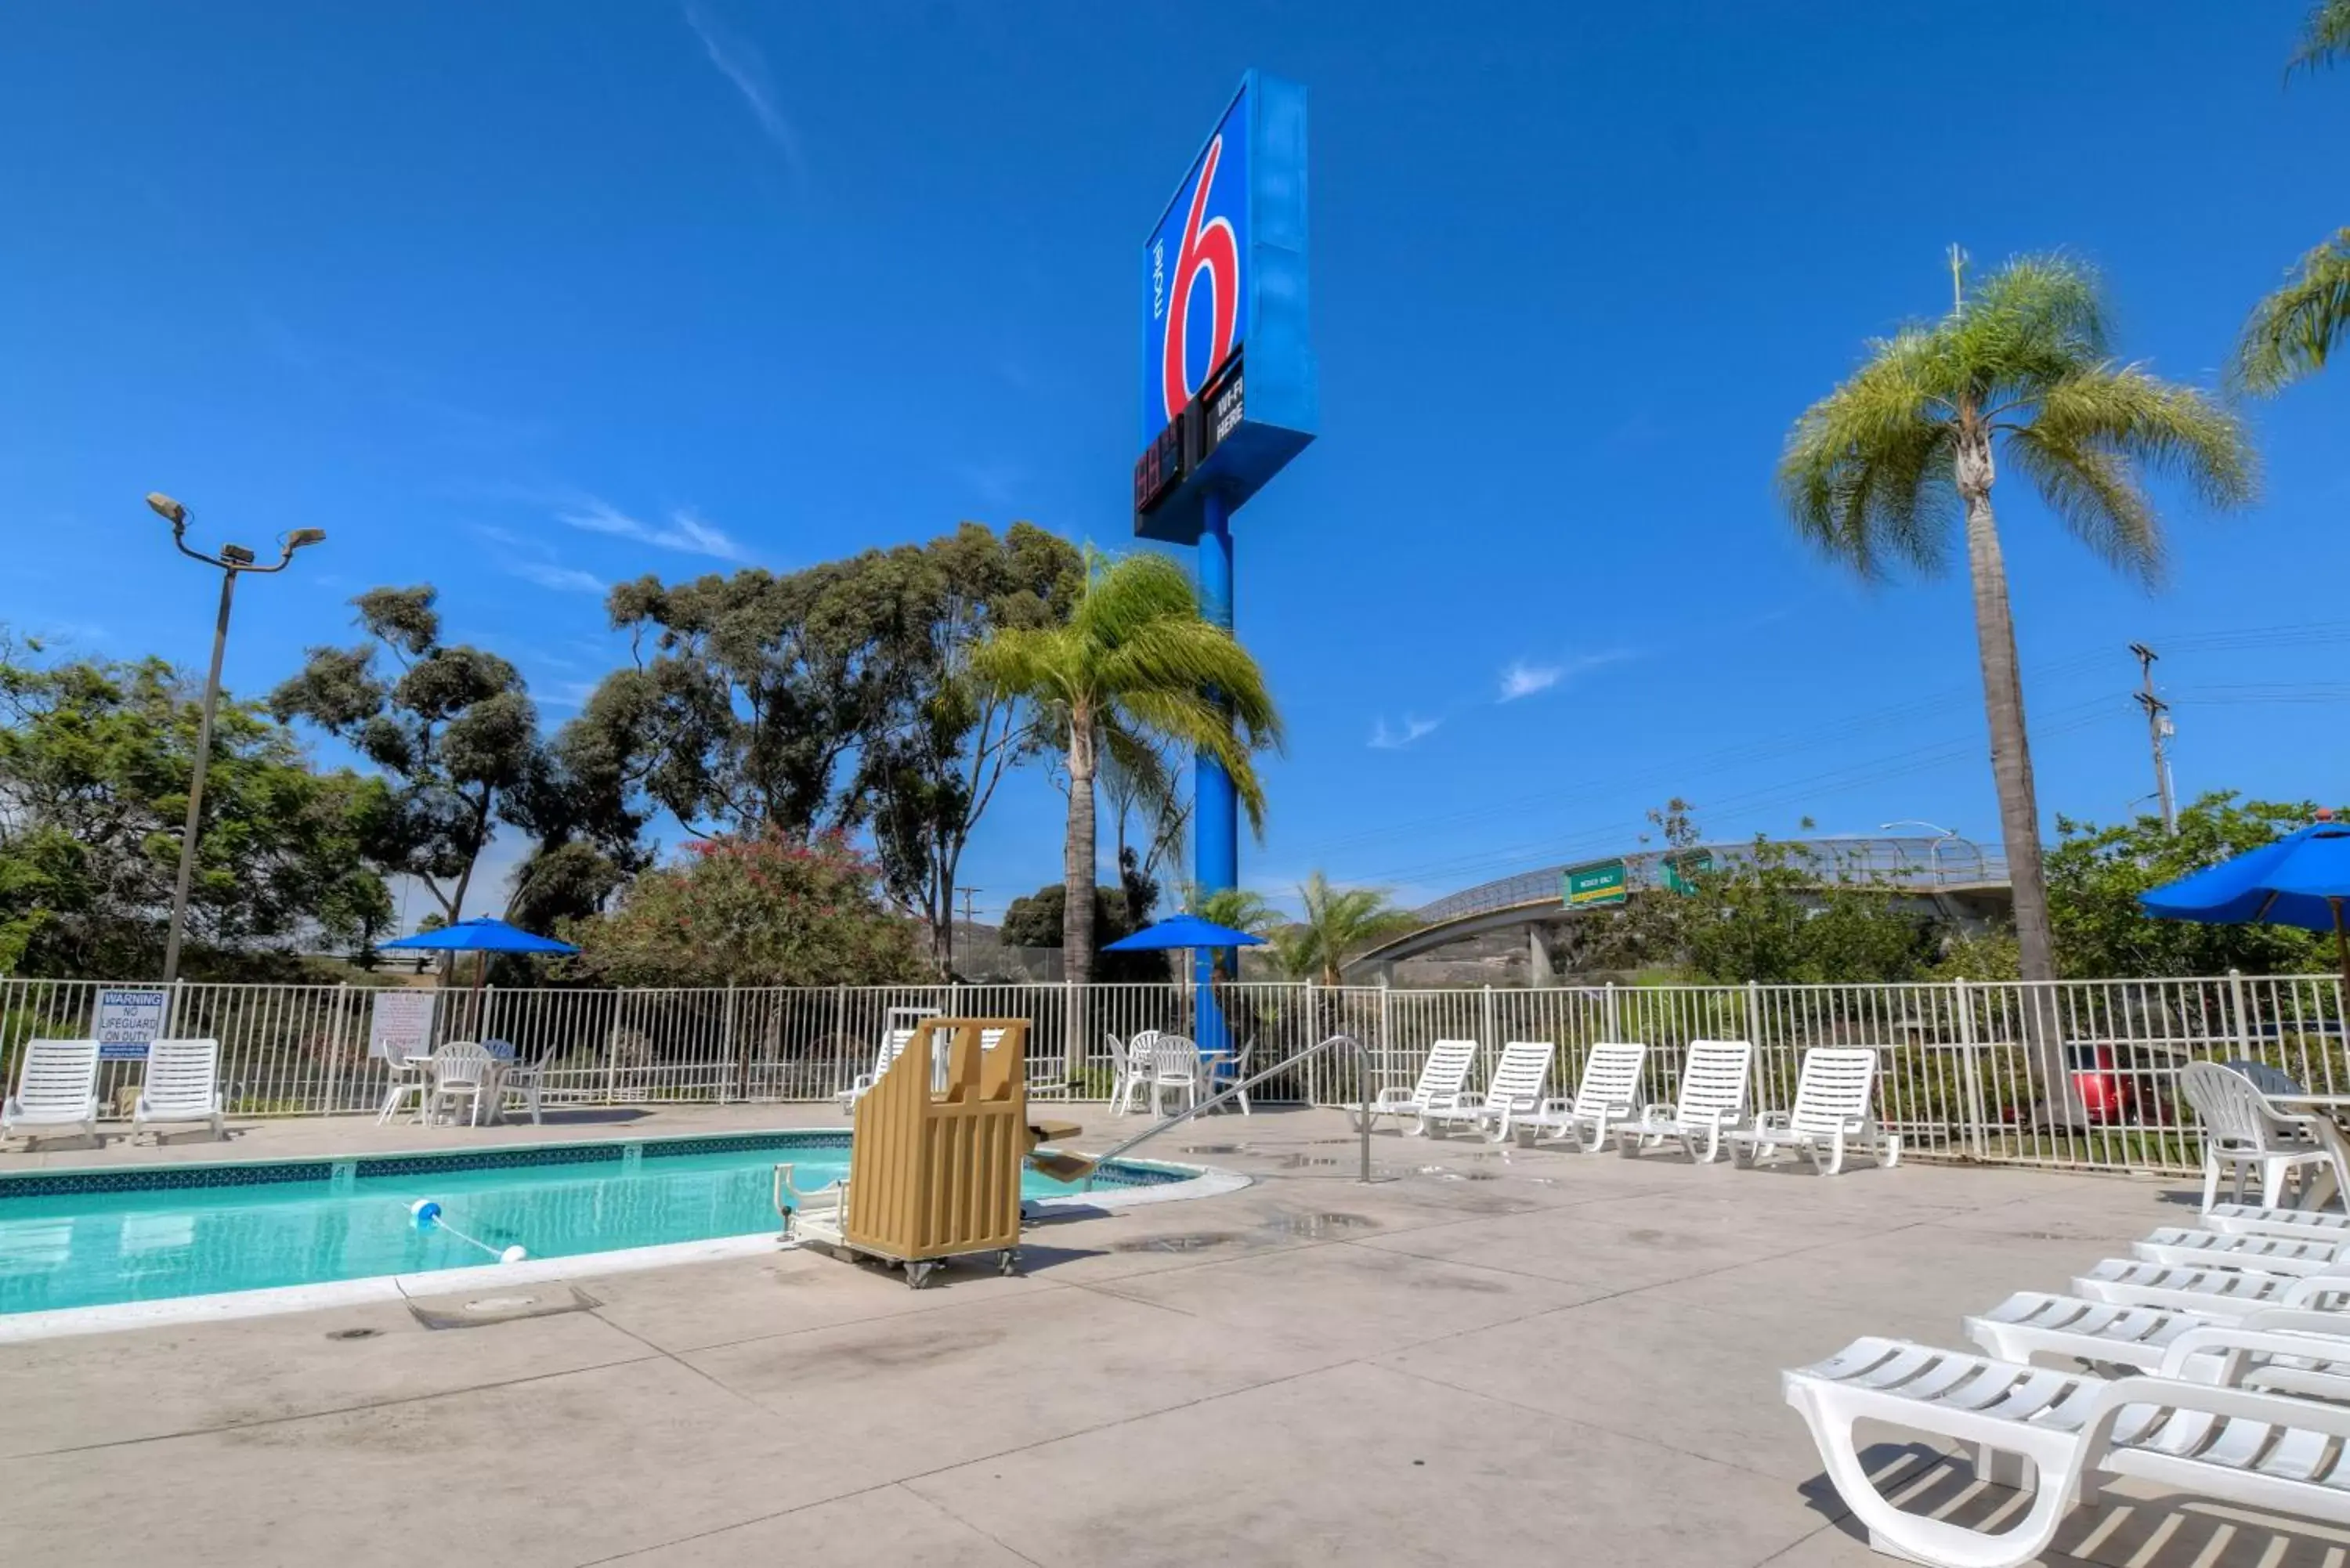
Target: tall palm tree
1132,670
1339,923
1900,456
2291,332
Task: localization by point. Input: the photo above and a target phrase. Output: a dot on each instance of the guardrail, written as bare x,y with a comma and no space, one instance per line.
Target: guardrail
2074,1073
1908,863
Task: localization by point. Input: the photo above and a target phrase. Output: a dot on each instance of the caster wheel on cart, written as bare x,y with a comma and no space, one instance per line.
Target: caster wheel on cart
1007,1261
918,1274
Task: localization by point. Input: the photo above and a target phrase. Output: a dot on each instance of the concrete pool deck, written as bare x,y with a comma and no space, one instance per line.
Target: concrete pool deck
1524,1358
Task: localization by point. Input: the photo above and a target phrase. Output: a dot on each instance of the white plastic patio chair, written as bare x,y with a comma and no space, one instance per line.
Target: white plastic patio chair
1133,1071
2242,1129
1608,1097
2210,1440
1712,1105
1438,1089
1513,1093
462,1070
409,1076
1220,1072
1831,1114
182,1085
1174,1070
56,1090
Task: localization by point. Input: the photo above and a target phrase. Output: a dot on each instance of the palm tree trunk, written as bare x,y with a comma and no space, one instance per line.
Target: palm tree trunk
1079,852
2011,765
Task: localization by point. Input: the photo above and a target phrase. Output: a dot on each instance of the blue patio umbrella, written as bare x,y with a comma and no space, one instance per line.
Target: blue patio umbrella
2301,880
1183,931
483,936
1191,932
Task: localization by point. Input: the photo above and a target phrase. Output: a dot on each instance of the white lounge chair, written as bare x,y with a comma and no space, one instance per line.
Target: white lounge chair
182,1085
2259,1219
1607,1098
56,1090
1711,1105
1438,1089
893,1045
2243,1130
2230,1444
1832,1112
1513,1093
2034,1323
2267,1254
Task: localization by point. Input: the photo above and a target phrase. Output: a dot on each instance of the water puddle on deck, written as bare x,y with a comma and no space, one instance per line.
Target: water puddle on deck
1318,1227
1198,1241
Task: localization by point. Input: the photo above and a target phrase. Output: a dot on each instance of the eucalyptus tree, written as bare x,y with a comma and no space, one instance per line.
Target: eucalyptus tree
451,726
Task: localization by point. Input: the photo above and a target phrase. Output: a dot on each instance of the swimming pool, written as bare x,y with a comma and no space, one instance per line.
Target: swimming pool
100,1237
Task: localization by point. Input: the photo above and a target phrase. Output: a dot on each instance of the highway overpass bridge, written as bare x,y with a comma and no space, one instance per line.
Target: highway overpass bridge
1964,882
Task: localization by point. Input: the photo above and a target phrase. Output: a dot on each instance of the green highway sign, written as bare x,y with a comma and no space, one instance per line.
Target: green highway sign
1590,885
1679,869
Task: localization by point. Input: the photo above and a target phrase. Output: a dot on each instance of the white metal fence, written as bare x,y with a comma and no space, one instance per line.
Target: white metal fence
2077,1074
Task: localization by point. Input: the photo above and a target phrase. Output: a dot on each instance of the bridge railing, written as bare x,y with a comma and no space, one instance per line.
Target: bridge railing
1909,863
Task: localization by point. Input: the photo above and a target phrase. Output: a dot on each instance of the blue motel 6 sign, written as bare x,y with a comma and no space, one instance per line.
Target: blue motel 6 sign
1228,383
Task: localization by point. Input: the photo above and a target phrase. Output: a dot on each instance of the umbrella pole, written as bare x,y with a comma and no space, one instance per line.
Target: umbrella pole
481,974
2341,949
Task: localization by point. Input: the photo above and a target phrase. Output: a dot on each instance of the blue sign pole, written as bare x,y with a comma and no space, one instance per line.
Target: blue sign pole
1215,827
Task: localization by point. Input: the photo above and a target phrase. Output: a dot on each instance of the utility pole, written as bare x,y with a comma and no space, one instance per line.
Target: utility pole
1958,281
2159,729
966,893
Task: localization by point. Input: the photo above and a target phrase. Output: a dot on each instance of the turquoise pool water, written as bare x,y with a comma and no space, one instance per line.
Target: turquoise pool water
72,1239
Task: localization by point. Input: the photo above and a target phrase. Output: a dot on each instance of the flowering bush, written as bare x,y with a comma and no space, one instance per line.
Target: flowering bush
770,911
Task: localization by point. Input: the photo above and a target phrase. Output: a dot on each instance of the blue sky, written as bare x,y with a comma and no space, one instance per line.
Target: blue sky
526,299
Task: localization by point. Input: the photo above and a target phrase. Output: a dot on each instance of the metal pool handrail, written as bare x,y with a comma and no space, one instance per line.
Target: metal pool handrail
1362,1058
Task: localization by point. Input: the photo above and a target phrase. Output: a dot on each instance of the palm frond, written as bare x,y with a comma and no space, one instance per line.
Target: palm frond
2324,38
2130,413
1865,476
2094,491
2030,324
1191,718
2290,334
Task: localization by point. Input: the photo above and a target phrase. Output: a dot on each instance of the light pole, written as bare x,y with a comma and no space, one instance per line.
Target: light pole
232,559
1933,850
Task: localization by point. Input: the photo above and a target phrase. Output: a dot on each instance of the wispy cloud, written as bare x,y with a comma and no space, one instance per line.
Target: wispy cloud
1385,738
532,562
685,530
561,578
740,62
1523,677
